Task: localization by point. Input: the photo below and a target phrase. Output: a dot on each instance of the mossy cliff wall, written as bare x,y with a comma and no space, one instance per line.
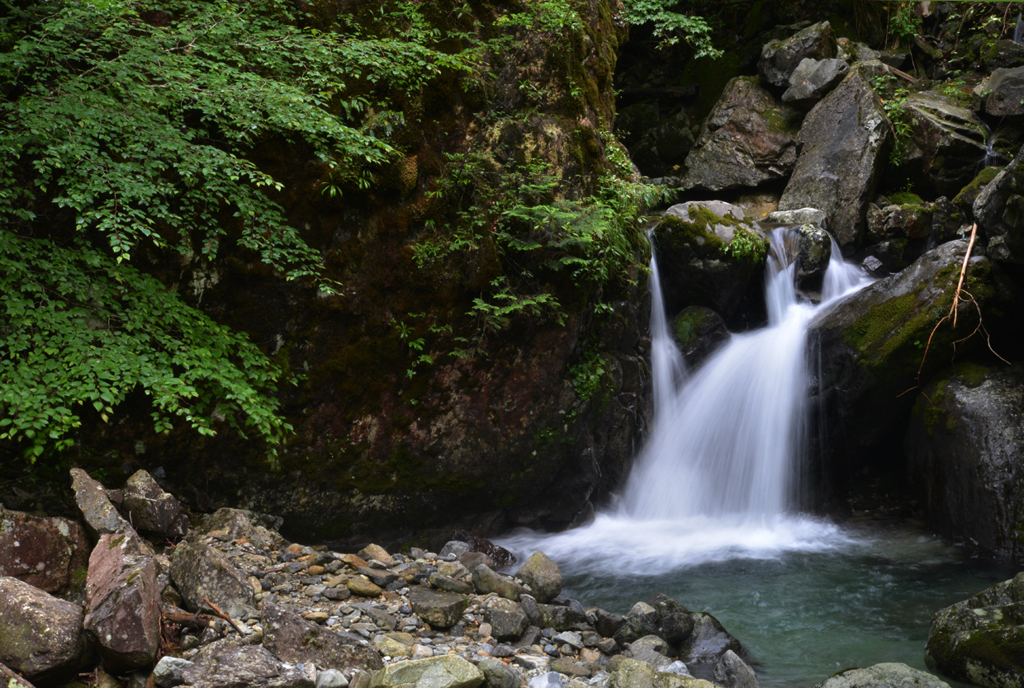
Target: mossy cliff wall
414,411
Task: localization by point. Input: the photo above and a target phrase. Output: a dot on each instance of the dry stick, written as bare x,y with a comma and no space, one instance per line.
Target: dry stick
223,615
16,678
963,272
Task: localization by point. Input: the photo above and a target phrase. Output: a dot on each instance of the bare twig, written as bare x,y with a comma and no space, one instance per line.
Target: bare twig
222,615
963,272
13,680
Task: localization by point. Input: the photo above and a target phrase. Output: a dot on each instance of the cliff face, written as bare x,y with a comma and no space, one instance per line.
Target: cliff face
478,364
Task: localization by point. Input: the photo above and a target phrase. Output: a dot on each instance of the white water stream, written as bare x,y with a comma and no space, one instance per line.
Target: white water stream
720,472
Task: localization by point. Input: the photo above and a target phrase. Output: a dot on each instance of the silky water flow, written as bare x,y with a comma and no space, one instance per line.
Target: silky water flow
707,514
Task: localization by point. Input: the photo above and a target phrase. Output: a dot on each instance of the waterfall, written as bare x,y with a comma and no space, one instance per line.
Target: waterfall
719,475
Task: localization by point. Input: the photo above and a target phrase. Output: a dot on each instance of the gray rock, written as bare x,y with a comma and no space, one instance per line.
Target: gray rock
456,547
799,216
1003,54
471,560
641,621
679,668
652,650
168,671
47,553
1001,94
507,619
607,623
887,675
844,140
123,602
733,672
99,514
294,639
706,645
814,251
947,141
542,575
151,509
633,674
331,678
699,332
235,524
813,79
42,635
780,58
231,663
497,674
439,609
965,456
551,679
199,571
999,212
978,640
748,139
449,671
486,580
450,584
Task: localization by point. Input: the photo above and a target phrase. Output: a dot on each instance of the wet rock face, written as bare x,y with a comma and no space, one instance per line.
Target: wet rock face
48,553
814,250
748,139
999,211
948,143
699,332
843,140
1002,94
965,456
780,58
981,639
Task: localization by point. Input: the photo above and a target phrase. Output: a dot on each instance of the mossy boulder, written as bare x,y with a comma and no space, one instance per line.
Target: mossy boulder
699,332
981,639
965,456
999,212
885,675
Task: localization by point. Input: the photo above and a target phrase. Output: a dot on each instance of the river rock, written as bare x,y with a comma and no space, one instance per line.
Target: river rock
732,672
748,139
168,671
237,524
965,456
1001,94
780,58
231,663
633,674
497,674
486,580
844,141
151,509
652,650
48,553
294,639
799,216
439,609
814,251
708,255
947,141
42,635
979,640
886,675
813,79
98,512
699,332
999,212
562,618
704,647
123,602
199,571
542,575
870,348
507,618
641,621
449,671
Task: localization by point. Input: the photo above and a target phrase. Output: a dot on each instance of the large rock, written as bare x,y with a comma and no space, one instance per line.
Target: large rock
886,675
439,609
813,79
231,663
293,639
947,141
999,212
708,255
1001,94
699,332
871,346
965,456
98,512
844,141
981,639
542,575
732,672
486,580
507,618
780,58
635,674
123,602
201,571
449,671
151,509
236,524
48,553
42,635
748,139
705,646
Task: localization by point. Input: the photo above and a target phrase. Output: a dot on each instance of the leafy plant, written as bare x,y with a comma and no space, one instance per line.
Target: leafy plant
670,26
746,245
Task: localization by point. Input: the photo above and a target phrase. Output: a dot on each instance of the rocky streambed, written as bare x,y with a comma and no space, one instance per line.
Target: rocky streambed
223,601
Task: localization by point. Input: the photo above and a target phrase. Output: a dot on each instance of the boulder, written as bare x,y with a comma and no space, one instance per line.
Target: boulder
439,609
562,618
886,675
199,571
98,512
1003,54
123,603
293,639
497,674
871,345
699,332
1001,94
844,141
980,639
706,645
748,139
633,674
486,580
813,253
781,57
507,618
542,575
813,79
235,524
732,672
48,553
152,510
231,663
965,456
642,620
652,650
947,141
708,255
448,671
42,635
999,212
168,671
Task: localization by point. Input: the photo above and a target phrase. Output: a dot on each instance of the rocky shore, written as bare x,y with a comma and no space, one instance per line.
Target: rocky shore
223,601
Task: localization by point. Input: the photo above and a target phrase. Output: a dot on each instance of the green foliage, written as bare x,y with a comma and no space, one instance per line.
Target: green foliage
896,112
587,375
746,245
904,22
671,27
131,124
545,15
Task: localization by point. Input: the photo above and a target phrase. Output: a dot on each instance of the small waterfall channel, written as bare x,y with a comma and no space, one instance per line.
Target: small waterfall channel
708,513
